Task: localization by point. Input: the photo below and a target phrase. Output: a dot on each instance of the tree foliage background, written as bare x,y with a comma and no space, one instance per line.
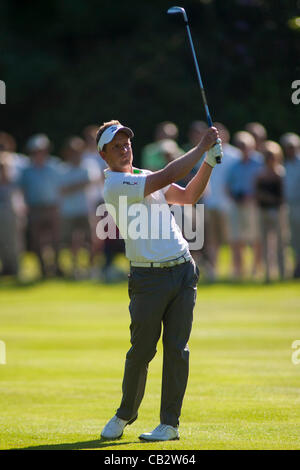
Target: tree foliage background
68,63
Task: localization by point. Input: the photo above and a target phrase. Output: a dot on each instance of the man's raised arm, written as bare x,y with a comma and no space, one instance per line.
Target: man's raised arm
179,168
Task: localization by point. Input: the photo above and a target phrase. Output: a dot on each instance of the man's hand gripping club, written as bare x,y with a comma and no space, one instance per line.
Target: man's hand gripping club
212,151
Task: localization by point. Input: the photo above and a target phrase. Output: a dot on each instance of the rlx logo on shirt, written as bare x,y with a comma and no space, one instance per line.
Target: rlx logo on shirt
128,182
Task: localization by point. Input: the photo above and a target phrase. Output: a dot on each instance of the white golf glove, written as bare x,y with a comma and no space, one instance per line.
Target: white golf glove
213,152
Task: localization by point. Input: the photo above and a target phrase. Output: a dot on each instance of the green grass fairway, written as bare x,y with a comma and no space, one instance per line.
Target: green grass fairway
65,351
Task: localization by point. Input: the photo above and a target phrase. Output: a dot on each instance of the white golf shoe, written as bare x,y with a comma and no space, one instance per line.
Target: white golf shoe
163,432
114,428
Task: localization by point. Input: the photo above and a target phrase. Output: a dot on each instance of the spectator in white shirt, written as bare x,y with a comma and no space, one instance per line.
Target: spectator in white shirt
75,179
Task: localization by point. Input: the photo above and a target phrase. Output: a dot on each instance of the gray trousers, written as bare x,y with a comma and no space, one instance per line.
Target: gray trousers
159,297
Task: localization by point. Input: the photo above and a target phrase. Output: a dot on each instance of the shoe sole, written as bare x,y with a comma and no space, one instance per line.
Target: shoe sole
145,439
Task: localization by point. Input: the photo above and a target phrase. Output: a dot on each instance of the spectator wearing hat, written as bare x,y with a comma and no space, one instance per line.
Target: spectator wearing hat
40,183
290,143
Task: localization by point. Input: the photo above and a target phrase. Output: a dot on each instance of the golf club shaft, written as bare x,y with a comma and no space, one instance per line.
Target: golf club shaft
180,10
208,117
209,121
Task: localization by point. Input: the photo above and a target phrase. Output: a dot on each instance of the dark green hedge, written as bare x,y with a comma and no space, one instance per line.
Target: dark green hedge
70,63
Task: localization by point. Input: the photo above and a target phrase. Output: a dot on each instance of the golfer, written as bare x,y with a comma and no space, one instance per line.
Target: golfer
163,276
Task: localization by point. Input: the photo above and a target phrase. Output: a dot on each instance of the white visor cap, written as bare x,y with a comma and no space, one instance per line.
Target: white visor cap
110,132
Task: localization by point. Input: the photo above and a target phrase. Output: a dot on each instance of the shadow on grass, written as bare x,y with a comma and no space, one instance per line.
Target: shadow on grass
95,444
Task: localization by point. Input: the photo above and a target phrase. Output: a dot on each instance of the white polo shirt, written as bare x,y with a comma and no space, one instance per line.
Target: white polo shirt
150,233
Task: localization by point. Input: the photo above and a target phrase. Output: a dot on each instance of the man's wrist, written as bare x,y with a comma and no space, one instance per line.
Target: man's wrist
200,149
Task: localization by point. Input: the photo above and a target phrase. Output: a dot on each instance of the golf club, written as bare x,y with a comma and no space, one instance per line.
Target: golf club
181,11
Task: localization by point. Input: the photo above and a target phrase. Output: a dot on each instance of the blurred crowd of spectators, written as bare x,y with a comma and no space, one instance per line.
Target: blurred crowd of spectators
252,200
48,203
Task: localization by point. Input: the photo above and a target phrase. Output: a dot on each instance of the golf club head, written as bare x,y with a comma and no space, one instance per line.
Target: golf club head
176,11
